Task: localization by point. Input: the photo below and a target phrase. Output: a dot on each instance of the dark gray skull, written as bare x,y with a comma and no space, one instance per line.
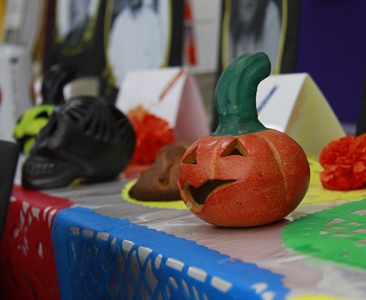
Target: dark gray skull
85,138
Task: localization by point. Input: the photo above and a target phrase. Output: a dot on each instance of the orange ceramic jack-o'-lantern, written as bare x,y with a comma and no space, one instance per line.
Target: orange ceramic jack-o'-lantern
243,174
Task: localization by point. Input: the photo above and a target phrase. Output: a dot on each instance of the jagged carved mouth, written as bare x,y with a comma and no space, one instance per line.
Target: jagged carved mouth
200,194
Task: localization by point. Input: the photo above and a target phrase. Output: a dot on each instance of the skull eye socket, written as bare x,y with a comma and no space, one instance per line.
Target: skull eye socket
234,148
191,158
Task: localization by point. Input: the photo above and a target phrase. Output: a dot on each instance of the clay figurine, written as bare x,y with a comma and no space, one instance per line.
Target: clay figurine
243,174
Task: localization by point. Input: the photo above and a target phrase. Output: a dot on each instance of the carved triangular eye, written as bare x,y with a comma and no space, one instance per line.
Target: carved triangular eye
191,157
234,148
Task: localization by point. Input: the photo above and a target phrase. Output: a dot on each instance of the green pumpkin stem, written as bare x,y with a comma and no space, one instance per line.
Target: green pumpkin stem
235,95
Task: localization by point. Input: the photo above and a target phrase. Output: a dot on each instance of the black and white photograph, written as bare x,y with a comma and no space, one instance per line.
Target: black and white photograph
75,19
251,26
139,36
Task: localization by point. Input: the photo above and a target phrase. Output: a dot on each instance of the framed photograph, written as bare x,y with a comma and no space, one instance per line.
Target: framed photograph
269,26
140,36
259,25
109,38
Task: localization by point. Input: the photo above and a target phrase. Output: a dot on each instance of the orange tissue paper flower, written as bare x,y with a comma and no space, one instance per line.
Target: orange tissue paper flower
344,163
152,133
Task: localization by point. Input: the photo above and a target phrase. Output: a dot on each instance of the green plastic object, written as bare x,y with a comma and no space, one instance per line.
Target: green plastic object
235,95
29,124
34,119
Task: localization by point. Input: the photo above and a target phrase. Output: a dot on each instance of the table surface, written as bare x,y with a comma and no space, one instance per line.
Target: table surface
317,252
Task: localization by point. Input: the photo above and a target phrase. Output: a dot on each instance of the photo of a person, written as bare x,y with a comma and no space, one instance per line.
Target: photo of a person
73,19
78,36
254,25
139,37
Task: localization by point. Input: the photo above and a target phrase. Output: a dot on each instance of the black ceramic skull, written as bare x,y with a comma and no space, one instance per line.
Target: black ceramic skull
85,139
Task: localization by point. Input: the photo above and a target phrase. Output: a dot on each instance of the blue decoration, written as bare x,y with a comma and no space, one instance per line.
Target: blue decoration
99,257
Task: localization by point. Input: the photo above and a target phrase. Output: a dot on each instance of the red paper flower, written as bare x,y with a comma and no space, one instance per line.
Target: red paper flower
344,163
152,133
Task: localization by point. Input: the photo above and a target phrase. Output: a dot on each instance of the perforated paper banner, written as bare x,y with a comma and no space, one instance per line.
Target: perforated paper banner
123,260
337,234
